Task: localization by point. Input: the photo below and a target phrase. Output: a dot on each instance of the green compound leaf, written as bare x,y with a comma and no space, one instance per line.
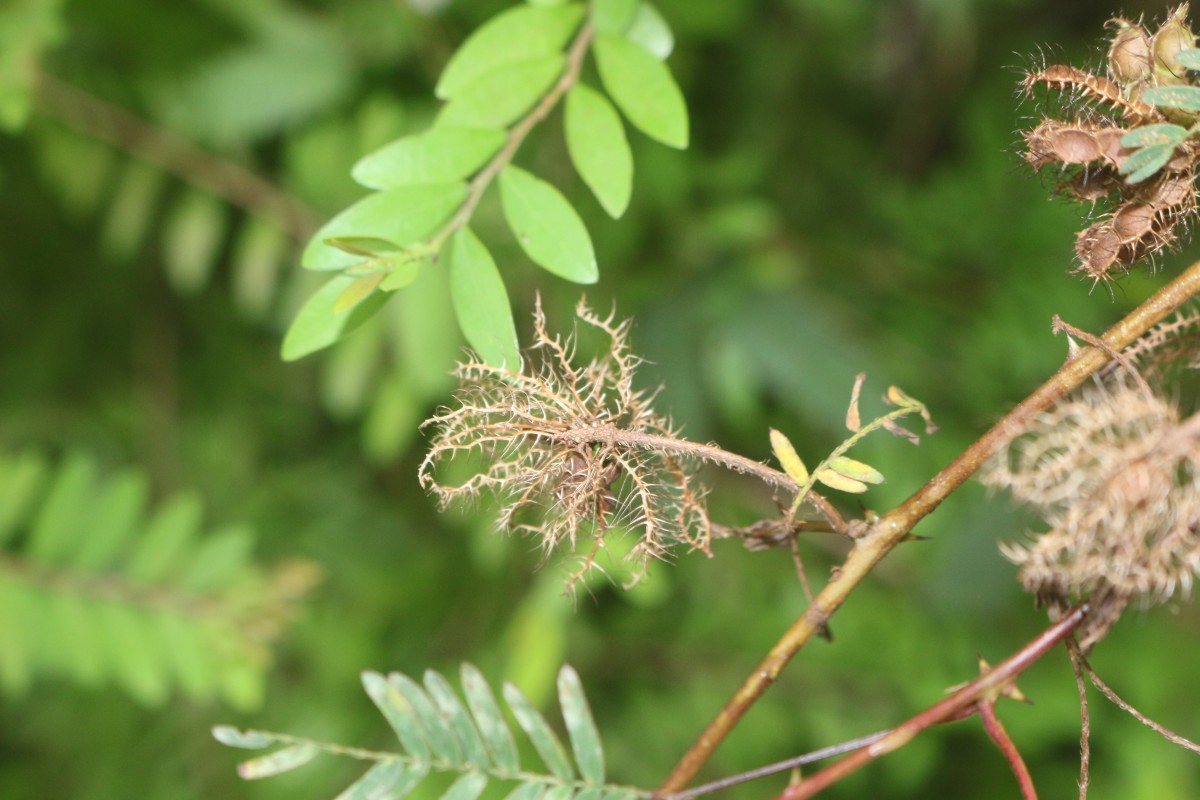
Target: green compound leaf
402,216
1185,98
500,97
650,32
581,727
598,148
278,762
481,302
490,720
1146,162
643,89
476,743
518,34
547,227
548,747
317,326
1163,133
441,155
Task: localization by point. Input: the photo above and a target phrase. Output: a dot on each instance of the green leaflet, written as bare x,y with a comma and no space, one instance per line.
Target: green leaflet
643,89
613,16
163,546
650,31
192,236
455,715
21,479
519,34
467,787
585,739
501,96
1162,133
377,783
1185,98
598,148
548,747
481,302
402,216
490,719
316,326
63,513
440,155
280,761
1146,162
547,227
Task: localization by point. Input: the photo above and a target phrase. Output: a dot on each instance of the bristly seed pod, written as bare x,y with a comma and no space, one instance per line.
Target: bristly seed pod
1173,36
1145,191
1129,55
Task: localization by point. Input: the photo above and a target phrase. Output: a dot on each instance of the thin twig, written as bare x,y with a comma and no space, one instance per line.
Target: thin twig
172,153
974,693
891,528
1161,730
991,724
1085,722
780,766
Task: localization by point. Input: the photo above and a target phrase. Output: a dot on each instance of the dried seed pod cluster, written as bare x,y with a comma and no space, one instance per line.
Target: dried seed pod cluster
1142,185
1115,473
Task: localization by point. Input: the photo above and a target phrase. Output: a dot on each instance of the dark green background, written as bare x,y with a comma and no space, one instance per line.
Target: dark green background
853,200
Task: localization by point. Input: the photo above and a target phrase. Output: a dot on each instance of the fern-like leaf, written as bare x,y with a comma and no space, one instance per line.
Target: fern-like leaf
439,733
99,589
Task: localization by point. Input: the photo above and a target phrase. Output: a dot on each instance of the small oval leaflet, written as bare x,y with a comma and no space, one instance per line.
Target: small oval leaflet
280,761
317,326
547,227
788,458
500,97
585,739
521,33
548,747
836,480
401,217
441,154
481,302
1185,98
598,148
643,89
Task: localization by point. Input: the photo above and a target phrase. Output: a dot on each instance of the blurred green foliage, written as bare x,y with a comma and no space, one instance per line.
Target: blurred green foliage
851,200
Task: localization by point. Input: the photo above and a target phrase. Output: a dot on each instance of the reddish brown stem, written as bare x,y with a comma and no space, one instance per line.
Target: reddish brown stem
890,529
976,692
991,724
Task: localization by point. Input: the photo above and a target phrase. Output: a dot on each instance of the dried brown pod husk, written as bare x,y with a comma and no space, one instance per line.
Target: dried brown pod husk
1114,472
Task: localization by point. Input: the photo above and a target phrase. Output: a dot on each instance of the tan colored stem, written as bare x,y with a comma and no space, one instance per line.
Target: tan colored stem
706,452
892,527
